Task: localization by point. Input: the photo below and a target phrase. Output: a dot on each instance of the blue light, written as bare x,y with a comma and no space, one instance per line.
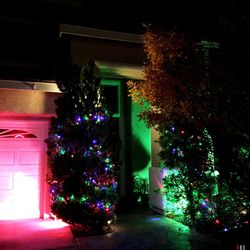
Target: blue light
155,219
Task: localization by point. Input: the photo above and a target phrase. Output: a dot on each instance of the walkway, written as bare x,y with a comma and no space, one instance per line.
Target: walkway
140,231
152,232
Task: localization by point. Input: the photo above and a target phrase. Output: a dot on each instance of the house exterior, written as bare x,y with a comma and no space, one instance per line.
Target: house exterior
26,106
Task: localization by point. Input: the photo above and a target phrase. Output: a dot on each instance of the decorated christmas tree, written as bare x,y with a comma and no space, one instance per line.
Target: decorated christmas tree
190,184
83,151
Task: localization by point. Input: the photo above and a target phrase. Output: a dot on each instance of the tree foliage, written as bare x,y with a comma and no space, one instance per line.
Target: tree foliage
192,89
174,71
83,151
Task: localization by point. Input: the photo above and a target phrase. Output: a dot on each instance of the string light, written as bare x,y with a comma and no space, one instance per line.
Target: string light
83,187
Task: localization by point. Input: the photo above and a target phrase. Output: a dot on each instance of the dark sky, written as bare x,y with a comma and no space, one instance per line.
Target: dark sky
128,16
207,18
29,29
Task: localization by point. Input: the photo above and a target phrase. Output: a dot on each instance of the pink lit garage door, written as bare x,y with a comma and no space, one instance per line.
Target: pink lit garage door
21,161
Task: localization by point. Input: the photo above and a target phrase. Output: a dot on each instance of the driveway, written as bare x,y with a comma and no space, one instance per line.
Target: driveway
146,230
36,234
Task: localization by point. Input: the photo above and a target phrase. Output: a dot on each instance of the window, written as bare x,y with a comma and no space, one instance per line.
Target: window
15,133
111,91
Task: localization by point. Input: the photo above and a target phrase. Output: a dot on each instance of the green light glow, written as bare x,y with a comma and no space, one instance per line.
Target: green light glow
117,84
190,182
83,199
140,144
60,199
62,151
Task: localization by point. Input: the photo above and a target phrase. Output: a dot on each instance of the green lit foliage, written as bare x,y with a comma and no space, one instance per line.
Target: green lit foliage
239,175
83,151
197,92
190,183
141,190
140,185
232,208
196,193
175,192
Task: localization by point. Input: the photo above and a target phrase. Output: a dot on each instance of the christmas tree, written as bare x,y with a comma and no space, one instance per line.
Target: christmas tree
195,192
82,151
190,184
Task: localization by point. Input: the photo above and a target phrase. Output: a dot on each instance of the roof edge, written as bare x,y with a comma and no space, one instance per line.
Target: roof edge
30,85
68,29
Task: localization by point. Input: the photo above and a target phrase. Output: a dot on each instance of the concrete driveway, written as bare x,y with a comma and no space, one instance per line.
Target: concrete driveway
150,231
133,231
36,234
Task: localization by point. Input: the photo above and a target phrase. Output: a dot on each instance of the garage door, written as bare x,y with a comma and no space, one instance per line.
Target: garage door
22,154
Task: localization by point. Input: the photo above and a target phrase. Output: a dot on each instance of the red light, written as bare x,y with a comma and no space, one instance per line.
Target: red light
217,222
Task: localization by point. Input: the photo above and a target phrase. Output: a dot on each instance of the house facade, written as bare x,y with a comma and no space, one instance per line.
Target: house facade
26,106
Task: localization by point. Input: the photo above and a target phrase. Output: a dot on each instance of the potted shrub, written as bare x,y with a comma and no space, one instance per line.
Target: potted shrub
141,190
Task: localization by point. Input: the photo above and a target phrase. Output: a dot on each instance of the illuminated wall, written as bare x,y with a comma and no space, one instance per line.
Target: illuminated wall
136,148
27,101
140,144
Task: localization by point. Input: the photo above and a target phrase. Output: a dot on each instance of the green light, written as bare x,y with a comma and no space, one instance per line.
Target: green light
140,144
60,199
107,205
84,198
62,151
107,160
216,173
139,199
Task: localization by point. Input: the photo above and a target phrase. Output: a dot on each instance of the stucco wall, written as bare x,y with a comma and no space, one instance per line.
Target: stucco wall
140,144
155,148
99,49
27,102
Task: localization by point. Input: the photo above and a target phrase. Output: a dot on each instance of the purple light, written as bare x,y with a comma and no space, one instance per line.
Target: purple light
174,150
78,118
173,129
94,141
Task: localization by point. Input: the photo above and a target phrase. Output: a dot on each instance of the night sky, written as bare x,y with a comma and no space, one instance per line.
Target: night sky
30,29
128,16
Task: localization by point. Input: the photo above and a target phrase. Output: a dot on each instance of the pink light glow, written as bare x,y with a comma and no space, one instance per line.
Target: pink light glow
19,136
23,200
20,179
53,224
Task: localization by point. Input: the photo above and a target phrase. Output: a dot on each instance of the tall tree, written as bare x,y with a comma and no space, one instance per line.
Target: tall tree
173,71
82,151
190,100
